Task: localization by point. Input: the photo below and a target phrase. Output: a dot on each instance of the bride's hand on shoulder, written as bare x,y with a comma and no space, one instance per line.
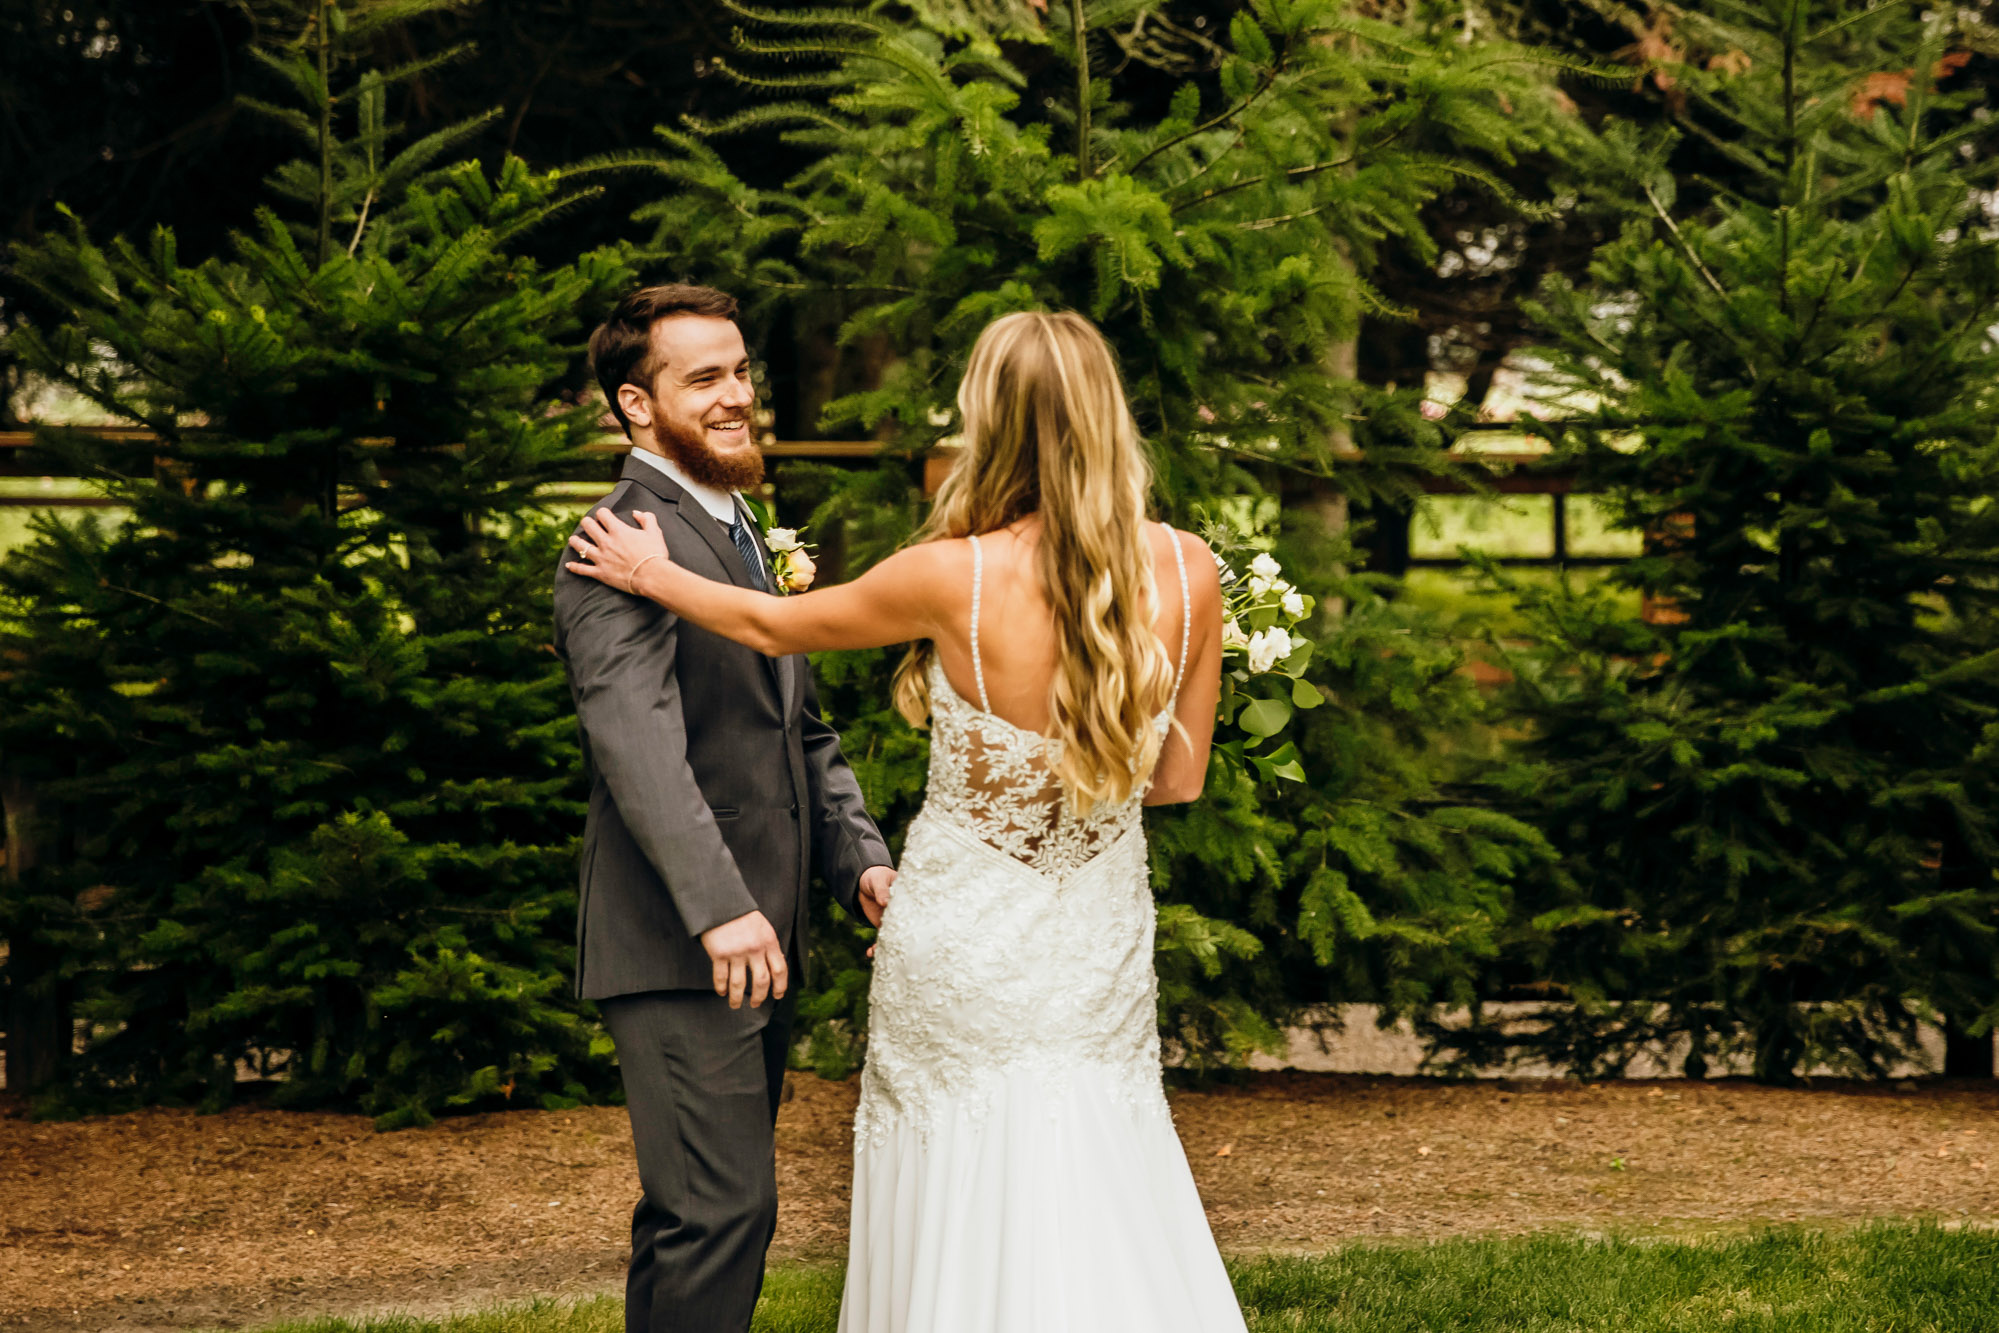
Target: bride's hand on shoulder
613,550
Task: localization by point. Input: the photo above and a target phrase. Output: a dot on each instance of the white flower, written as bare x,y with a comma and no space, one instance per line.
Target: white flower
1267,648
781,540
1293,603
1266,567
1258,587
1232,635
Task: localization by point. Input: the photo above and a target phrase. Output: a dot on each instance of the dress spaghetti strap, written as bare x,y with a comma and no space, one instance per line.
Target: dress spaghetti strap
978,580
1186,610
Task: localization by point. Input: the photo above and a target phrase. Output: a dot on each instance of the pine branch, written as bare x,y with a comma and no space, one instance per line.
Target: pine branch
768,117
163,605
400,73
384,14
1264,224
837,77
1080,36
297,121
1840,25
406,166
1269,78
1292,176
815,18
1212,162
1681,241
322,42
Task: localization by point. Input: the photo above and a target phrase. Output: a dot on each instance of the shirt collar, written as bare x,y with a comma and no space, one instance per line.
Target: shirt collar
721,505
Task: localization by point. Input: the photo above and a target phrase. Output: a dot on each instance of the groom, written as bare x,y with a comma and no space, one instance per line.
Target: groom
715,792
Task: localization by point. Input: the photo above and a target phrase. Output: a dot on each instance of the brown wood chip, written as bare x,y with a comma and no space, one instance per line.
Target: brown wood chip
168,1219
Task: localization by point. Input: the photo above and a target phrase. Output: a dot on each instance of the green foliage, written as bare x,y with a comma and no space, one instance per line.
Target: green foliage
297,713
1222,242
967,162
1775,796
1384,876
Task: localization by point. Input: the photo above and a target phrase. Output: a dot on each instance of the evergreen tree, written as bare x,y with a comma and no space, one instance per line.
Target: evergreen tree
1775,792
298,713
972,160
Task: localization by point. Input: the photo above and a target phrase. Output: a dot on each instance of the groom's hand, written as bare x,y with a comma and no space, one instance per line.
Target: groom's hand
747,955
876,881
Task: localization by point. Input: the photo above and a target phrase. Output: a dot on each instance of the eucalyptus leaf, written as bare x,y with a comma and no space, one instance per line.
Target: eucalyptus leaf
1264,717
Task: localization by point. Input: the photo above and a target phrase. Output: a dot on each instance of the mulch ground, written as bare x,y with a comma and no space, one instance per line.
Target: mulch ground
168,1219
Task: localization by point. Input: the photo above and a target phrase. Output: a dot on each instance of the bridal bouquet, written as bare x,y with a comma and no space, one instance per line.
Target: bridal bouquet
1263,659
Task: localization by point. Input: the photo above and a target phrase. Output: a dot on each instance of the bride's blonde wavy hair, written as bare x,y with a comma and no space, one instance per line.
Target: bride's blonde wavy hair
1046,428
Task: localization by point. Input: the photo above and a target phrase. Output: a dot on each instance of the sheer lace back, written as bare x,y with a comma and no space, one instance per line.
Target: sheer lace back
997,780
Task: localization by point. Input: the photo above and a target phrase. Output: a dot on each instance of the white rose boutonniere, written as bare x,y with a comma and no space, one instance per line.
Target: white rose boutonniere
792,568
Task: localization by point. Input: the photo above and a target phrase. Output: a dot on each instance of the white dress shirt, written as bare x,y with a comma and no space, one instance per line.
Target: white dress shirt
721,505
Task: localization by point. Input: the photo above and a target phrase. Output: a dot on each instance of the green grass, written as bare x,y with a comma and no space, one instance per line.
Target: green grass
1514,525
1503,525
1884,1278
1470,612
14,519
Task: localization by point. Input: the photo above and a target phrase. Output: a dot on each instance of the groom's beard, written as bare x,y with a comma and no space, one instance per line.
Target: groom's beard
740,469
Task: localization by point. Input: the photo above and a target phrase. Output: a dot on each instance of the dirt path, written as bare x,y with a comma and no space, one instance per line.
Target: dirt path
168,1219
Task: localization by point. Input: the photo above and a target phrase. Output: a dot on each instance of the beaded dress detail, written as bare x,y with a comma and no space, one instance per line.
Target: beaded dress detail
1015,1164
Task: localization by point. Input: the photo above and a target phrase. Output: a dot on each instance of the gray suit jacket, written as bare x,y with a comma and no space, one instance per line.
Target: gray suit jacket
714,784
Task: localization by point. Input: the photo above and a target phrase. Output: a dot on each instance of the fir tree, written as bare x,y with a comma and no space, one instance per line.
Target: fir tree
972,160
1775,792
298,713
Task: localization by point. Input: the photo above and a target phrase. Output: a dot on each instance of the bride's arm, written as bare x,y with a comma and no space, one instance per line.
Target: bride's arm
1182,769
894,602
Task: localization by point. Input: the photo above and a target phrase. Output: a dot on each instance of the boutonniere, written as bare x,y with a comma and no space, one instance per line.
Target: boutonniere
791,565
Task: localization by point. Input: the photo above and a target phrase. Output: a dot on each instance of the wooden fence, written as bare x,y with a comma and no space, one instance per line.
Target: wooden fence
1505,473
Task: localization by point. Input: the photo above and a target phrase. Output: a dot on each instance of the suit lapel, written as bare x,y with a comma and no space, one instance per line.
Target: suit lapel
786,667
694,516
704,526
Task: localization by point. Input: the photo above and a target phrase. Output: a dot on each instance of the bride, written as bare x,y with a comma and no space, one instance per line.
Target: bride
1015,1164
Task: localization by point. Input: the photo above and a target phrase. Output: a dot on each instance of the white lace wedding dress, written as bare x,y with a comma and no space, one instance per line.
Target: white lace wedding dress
1016,1168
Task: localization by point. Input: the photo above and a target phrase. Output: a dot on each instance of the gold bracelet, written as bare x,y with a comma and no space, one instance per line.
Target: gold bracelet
632,581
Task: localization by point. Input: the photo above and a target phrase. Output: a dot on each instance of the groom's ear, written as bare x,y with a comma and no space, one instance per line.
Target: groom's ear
636,404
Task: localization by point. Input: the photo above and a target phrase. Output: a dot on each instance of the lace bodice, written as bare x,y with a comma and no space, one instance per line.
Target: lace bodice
997,780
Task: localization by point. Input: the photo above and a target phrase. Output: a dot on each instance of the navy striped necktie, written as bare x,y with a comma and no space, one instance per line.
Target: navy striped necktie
746,546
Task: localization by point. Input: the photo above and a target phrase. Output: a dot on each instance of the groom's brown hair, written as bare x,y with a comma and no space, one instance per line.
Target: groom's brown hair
621,348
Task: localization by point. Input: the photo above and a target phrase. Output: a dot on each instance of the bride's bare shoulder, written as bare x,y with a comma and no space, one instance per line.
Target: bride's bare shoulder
939,556
1194,552
1204,586
934,571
